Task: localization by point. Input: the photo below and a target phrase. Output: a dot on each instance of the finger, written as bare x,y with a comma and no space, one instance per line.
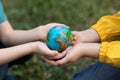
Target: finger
52,54
63,25
64,60
74,36
60,55
68,64
57,24
50,61
73,42
65,51
61,62
74,33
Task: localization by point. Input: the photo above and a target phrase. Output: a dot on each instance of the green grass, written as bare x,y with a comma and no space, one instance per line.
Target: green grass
78,14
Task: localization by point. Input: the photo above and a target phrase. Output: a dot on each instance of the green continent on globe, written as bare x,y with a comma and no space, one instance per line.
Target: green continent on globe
59,38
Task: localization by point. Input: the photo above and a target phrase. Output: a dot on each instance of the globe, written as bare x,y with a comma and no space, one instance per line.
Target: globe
59,38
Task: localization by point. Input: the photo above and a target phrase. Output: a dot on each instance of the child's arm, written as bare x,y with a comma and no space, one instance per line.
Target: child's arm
76,52
86,36
107,52
106,29
9,36
12,53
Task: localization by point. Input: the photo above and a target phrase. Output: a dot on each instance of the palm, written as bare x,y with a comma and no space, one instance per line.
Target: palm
73,54
43,30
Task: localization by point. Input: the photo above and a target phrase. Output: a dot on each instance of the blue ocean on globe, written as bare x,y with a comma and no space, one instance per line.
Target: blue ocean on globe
59,38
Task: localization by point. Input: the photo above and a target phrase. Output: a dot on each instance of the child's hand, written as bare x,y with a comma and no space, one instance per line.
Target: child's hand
86,36
41,48
76,52
71,56
43,30
59,56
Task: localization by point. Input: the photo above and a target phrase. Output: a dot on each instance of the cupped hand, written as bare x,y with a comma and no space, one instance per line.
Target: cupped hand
72,55
43,49
43,30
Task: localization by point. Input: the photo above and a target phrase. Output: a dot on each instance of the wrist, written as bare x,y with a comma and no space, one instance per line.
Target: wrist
33,46
39,33
91,50
95,35
82,49
91,34
37,46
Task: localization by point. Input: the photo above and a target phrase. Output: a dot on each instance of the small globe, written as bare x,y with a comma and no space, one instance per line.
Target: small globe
59,38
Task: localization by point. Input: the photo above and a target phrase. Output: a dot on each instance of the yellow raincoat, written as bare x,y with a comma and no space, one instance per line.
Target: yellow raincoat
108,28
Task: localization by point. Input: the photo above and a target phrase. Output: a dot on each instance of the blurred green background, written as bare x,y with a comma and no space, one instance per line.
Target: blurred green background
78,14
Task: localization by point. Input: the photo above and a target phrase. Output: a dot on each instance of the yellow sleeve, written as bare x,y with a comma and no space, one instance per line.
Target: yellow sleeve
110,53
108,27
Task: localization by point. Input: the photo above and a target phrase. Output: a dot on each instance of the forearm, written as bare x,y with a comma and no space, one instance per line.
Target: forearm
9,36
89,36
12,53
19,37
91,49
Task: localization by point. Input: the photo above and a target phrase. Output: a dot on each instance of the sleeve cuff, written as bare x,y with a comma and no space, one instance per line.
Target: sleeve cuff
103,51
103,28
108,27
